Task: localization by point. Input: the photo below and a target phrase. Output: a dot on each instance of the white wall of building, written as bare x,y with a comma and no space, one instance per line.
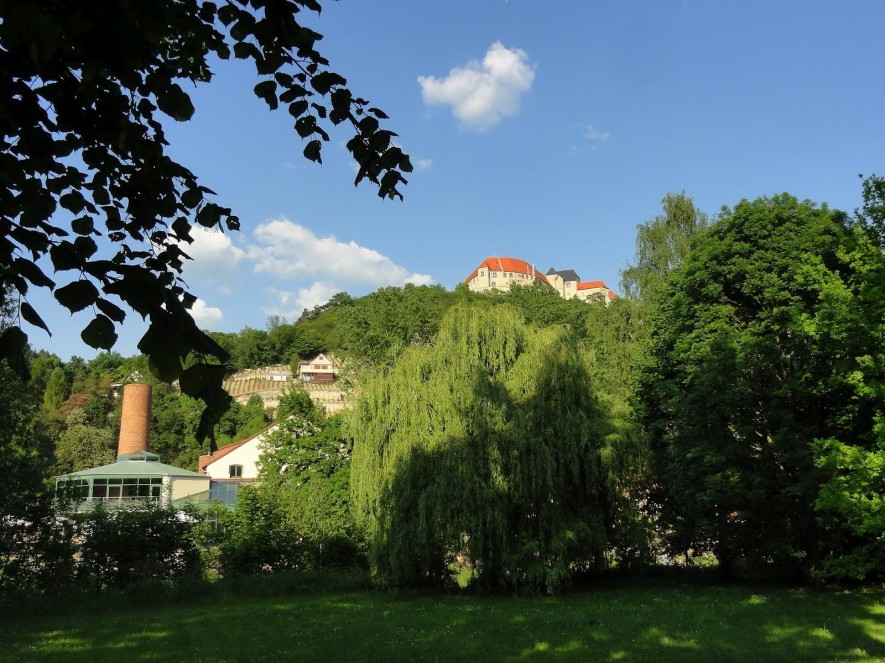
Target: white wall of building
182,487
245,455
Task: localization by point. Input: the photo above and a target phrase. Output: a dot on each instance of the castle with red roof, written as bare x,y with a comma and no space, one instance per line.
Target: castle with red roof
499,273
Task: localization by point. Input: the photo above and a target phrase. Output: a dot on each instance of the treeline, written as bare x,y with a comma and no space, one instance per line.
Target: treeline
68,411
727,409
370,329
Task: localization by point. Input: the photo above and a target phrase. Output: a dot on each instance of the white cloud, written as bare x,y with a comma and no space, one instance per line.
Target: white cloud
292,304
420,279
595,135
482,93
289,250
423,164
206,317
215,258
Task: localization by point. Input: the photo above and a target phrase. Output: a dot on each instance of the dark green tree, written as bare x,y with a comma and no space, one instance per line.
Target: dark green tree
764,376
22,462
376,328
612,347
299,515
85,165
57,390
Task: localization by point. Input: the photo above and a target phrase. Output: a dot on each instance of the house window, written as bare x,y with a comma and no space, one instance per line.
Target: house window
236,471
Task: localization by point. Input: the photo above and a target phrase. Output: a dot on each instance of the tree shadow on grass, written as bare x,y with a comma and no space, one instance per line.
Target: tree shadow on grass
675,623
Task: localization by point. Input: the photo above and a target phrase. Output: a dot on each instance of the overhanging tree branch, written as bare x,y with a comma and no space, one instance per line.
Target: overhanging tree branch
83,156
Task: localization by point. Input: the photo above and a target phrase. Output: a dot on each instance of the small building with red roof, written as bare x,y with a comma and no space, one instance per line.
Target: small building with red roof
233,465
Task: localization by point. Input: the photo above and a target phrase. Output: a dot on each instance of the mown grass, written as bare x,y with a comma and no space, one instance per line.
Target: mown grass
670,621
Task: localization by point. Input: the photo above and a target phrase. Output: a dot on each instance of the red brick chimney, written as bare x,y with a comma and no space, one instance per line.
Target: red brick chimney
135,421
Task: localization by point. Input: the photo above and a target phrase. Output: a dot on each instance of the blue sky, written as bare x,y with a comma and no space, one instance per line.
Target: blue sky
539,130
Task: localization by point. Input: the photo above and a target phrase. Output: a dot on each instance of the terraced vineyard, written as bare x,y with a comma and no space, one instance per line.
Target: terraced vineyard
247,383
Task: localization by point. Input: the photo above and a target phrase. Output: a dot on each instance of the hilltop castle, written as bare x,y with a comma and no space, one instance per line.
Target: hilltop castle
499,273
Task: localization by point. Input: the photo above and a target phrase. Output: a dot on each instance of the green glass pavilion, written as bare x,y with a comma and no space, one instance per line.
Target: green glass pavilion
136,476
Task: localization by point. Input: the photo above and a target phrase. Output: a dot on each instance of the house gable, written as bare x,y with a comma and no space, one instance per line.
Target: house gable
243,454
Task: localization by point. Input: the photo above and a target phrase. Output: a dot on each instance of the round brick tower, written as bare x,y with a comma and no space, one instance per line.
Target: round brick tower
135,420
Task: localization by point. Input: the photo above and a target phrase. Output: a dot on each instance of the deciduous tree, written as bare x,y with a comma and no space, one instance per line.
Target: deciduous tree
490,446
87,182
662,243
763,388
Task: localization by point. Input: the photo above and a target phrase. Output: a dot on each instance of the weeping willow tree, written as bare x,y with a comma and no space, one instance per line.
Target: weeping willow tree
487,447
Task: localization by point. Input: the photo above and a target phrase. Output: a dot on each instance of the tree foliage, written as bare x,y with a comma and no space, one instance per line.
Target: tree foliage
21,461
871,216
299,516
488,446
764,386
662,243
376,328
83,445
88,184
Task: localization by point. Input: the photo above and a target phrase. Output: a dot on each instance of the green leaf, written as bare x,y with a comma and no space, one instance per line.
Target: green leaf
113,311
244,50
100,333
191,198
100,196
164,366
267,90
32,273
13,342
206,428
73,202
83,225
64,256
30,315
305,126
368,125
298,107
85,247
175,103
200,376
326,80
156,340
77,295
312,151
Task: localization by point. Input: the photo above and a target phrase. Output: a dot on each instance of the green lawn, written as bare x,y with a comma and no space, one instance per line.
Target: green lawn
627,623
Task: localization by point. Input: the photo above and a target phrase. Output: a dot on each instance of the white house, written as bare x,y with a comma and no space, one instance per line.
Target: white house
318,369
233,465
